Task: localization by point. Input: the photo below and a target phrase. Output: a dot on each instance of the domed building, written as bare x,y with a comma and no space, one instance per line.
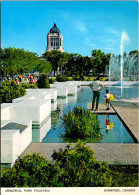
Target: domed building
54,39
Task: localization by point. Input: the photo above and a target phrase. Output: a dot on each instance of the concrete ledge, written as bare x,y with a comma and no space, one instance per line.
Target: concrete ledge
15,138
101,110
118,154
129,115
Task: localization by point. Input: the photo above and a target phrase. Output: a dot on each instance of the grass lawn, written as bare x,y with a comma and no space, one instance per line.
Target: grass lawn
125,175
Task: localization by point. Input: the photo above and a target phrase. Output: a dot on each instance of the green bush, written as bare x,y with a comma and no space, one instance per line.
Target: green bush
10,91
76,78
78,167
27,85
82,78
133,78
43,81
79,77
81,123
73,167
61,78
31,171
51,81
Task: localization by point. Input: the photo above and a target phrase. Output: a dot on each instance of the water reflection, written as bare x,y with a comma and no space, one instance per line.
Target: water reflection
62,101
38,133
72,98
109,125
54,105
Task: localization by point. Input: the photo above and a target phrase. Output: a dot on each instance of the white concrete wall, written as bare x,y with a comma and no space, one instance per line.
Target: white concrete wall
9,146
45,110
13,143
35,110
62,91
25,137
20,99
72,90
51,92
5,111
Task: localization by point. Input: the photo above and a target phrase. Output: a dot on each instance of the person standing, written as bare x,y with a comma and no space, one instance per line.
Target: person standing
97,86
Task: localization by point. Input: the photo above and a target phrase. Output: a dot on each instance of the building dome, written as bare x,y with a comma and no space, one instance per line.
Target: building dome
54,39
54,29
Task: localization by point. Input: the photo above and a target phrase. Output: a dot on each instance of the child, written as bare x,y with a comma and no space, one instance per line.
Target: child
107,96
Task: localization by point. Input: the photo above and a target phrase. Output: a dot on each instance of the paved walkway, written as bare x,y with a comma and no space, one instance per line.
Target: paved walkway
101,110
113,153
129,114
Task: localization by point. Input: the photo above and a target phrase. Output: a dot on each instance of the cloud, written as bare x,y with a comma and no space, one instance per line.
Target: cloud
80,26
113,31
89,42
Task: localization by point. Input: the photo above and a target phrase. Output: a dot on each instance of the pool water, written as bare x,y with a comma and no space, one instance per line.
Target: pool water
112,129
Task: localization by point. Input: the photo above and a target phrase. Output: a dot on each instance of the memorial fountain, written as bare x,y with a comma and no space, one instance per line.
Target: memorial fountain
123,67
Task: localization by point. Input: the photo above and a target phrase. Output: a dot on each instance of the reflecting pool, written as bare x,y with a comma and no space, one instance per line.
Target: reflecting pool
112,129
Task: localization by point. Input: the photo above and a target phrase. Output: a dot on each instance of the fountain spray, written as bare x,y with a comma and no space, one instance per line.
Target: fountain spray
124,39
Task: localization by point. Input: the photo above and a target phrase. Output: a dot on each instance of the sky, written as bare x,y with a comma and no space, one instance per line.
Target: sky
84,25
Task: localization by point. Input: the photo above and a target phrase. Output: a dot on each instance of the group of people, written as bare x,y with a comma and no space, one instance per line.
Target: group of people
97,87
30,79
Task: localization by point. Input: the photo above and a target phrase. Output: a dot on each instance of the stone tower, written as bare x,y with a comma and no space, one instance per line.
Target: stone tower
54,39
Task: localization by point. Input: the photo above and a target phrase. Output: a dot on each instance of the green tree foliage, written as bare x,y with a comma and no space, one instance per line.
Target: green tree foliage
100,60
56,58
61,78
43,81
10,91
44,67
17,61
81,123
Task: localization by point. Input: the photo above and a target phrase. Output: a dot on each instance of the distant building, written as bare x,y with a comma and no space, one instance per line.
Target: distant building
54,39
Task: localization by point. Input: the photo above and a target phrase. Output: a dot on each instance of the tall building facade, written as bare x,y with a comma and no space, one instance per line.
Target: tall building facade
54,39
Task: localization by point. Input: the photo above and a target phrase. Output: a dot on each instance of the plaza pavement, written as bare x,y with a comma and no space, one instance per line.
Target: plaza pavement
113,153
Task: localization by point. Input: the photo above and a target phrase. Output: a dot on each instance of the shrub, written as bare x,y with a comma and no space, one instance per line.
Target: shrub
27,85
79,77
133,78
81,123
82,78
51,81
43,81
76,78
10,91
88,78
78,167
31,171
61,78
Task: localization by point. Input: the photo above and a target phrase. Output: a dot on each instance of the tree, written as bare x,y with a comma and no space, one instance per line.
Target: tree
17,61
100,60
44,67
56,58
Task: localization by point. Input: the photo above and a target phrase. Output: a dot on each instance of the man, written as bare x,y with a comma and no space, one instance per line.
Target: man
97,86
